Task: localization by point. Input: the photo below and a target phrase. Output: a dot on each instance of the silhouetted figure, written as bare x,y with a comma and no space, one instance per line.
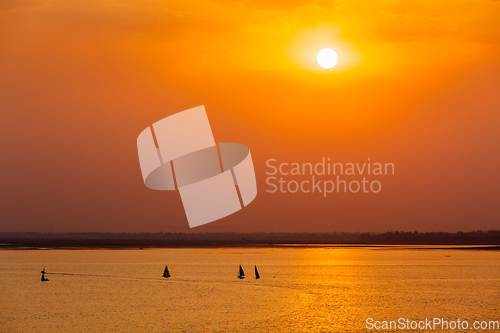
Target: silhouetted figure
43,279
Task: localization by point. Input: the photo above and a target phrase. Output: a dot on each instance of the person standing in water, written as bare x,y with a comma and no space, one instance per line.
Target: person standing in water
43,279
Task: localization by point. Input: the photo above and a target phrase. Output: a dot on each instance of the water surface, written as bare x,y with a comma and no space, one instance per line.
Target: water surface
300,290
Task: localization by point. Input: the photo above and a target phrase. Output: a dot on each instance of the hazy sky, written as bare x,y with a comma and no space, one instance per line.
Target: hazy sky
417,85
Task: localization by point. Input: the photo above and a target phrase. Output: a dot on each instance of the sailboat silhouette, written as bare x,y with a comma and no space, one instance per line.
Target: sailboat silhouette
257,276
241,274
166,273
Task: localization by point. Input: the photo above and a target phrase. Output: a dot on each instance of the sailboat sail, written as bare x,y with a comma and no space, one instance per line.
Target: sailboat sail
257,276
241,274
166,273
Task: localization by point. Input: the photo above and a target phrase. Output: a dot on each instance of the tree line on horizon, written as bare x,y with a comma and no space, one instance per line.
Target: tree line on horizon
479,237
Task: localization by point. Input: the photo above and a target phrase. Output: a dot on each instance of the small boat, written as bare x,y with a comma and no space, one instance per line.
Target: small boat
43,279
447,256
257,276
241,274
166,273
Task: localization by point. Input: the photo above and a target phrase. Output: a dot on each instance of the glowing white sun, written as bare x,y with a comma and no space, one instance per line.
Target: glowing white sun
327,58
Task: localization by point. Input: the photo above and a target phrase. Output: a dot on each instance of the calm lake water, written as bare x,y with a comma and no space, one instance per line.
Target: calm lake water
300,290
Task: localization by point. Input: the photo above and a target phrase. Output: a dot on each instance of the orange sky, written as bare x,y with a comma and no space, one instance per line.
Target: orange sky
417,84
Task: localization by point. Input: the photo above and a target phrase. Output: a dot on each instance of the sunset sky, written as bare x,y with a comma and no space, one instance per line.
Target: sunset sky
417,84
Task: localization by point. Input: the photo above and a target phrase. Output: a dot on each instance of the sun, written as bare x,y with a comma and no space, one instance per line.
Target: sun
327,58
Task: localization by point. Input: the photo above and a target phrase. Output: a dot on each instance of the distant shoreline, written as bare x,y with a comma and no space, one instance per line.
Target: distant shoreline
7,247
12,247
475,240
